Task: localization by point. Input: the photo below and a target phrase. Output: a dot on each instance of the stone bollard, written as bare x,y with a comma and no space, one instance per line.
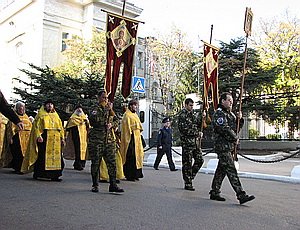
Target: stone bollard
296,171
213,163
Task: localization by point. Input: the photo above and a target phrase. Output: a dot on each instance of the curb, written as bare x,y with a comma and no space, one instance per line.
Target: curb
250,175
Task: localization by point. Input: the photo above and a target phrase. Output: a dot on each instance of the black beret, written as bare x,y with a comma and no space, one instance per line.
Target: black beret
166,119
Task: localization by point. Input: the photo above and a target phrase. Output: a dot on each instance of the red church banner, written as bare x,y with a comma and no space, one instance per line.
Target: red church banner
211,71
120,39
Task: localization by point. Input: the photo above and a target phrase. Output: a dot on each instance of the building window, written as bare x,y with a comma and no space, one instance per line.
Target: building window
140,60
19,50
65,36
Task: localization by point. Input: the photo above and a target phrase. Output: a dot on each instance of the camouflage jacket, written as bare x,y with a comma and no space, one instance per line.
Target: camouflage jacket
224,125
99,118
189,125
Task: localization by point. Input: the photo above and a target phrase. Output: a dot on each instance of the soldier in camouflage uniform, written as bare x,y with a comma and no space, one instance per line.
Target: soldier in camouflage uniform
102,142
189,127
225,138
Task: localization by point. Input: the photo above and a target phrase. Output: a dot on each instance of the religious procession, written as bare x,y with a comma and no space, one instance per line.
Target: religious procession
106,132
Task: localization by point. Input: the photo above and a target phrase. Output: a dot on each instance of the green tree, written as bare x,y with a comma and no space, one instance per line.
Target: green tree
84,56
231,61
279,47
66,92
175,68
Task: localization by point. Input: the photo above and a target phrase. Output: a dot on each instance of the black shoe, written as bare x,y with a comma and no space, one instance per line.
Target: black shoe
189,187
35,177
115,188
156,168
245,198
56,179
130,179
173,170
95,189
216,197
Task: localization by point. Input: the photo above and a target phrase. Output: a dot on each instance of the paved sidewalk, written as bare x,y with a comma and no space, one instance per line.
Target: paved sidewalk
278,171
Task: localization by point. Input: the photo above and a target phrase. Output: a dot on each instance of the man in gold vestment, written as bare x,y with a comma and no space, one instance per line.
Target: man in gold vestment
43,154
104,177
131,148
6,113
18,139
76,138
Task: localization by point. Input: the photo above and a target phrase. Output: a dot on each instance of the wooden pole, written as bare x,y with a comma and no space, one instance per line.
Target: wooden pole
211,30
123,10
204,109
241,96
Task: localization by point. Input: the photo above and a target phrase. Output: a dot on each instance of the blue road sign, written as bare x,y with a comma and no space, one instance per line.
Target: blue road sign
138,84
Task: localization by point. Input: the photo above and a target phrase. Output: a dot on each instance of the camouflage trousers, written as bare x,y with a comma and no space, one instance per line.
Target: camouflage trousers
226,167
107,151
190,152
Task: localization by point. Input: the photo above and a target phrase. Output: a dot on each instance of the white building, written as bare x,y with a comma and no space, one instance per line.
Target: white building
32,31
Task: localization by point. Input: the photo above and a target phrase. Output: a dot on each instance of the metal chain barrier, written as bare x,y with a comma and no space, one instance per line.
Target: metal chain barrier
207,151
270,161
150,147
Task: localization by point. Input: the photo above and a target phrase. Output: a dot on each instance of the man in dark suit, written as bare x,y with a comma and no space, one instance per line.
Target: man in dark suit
164,144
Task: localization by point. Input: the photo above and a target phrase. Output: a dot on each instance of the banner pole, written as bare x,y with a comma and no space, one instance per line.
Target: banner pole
204,110
123,10
211,30
247,29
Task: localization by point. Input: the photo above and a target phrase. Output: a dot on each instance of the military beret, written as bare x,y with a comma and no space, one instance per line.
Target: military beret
166,119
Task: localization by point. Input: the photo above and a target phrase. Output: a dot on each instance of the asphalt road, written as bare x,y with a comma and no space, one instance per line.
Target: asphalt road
158,201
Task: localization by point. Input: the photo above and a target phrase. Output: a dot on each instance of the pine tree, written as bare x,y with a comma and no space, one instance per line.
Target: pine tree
66,92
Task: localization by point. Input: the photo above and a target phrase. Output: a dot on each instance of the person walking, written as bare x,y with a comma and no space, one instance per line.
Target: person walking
76,138
103,175
102,142
44,151
6,112
164,145
225,138
131,148
18,138
9,112
189,126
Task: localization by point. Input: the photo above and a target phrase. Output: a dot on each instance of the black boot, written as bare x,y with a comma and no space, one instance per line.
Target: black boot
95,189
243,198
216,196
189,187
113,187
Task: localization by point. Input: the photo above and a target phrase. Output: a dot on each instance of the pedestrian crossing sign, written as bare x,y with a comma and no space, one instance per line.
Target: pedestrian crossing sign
138,84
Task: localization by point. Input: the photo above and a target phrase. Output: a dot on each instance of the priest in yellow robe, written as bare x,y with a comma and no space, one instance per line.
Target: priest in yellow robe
43,155
18,139
76,138
131,148
104,177
4,143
